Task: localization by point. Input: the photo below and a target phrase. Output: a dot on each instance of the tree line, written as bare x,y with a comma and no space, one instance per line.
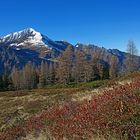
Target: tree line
72,66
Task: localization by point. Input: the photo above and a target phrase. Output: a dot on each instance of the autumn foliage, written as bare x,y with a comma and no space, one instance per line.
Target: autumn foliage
114,113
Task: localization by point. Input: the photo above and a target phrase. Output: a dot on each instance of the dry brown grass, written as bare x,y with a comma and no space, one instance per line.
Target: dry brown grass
18,106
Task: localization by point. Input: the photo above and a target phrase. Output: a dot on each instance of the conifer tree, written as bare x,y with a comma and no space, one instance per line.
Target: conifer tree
113,71
131,60
16,78
65,66
5,77
83,67
43,76
1,83
52,73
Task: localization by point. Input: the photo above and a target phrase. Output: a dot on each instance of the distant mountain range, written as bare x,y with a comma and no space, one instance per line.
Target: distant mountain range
16,49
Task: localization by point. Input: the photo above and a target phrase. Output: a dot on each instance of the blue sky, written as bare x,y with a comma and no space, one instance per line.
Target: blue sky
107,23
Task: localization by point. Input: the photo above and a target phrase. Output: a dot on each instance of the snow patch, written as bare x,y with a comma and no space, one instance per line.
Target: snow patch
77,46
18,49
13,44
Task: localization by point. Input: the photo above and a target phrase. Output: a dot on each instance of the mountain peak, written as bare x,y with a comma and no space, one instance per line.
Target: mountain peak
30,29
28,38
28,35
24,31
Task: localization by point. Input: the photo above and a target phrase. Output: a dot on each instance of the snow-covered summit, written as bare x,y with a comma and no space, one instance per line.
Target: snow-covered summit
30,37
23,37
